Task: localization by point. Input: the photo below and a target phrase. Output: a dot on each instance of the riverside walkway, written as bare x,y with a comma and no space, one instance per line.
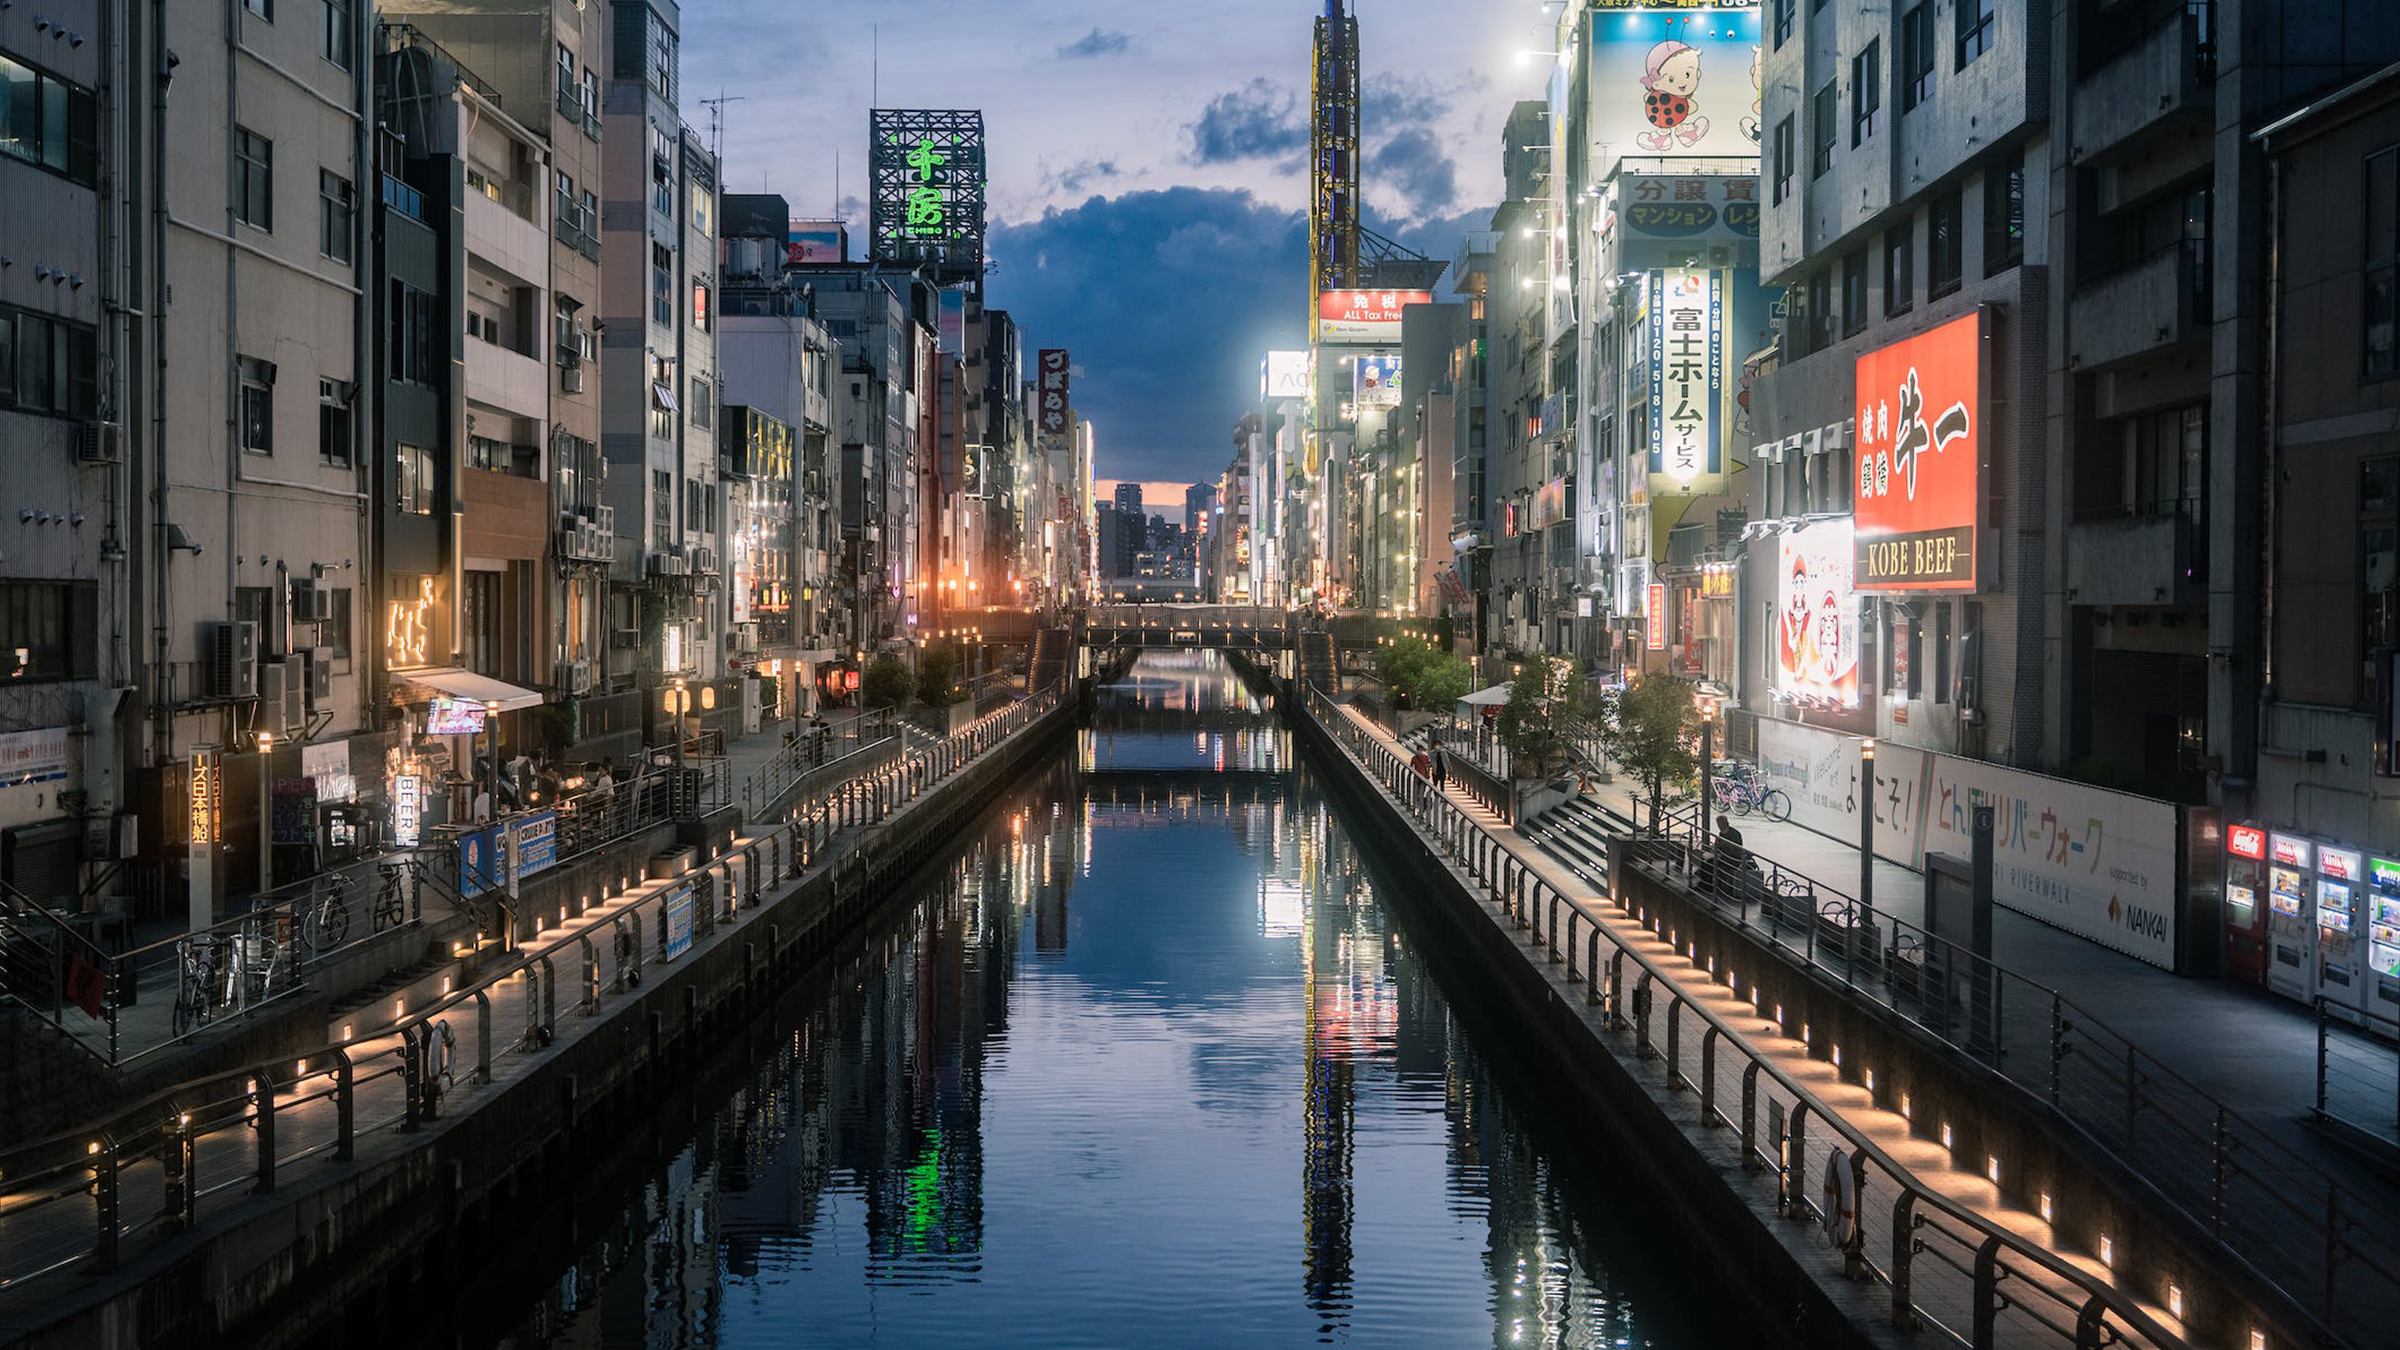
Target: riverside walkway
218,1148
1933,1231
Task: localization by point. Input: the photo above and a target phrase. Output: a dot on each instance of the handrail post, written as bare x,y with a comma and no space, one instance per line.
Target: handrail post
1795,1162
1904,1250
412,1074
1591,968
1675,1081
104,1203
1708,1077
483,1035
345,1106
1987,1293
591,974
262,1105
1750,1116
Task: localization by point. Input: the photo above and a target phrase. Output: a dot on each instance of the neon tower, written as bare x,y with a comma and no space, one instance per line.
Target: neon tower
1333,141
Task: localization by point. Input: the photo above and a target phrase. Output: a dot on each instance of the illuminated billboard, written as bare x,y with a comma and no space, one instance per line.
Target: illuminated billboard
1283,375
1687,381
1816,616
1053,393
1376,380
1920,451
1675,80
926,172
1371,317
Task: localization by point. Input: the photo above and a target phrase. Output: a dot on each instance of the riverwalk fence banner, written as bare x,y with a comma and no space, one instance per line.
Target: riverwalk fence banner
676,912
480,866
2095,863
29,757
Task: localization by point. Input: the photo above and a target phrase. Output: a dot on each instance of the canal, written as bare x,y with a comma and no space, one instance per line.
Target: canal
1151,1057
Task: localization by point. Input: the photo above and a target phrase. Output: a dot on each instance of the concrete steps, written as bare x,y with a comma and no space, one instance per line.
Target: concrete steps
1577,834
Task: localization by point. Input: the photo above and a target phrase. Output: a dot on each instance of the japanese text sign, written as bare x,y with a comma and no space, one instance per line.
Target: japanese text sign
1053,378
1687,361
1919,464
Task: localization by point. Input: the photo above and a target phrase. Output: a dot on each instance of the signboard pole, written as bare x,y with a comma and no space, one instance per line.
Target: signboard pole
1866,830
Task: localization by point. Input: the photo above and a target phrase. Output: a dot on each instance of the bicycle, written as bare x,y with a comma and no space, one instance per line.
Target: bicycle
1742,795
196,982
391,910
329,917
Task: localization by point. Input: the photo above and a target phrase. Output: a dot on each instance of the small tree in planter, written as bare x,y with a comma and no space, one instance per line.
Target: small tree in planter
888,683
1545,708
936,669
1655,721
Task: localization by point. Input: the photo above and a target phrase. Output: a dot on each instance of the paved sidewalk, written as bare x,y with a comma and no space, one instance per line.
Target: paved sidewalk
2241,1045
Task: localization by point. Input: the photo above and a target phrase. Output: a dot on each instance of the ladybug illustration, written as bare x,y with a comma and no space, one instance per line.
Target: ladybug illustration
1672,77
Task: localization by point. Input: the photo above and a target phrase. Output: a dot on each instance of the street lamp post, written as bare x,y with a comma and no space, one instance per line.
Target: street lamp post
680,697
1708,723
491,741
266,812
1866,829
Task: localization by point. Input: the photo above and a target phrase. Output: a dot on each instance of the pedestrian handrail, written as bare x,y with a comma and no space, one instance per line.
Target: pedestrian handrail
2358,1078
809,750
1944,1264
2258,1202
48,968
238,1130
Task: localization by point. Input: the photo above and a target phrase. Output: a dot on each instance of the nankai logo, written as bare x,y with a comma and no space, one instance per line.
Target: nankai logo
2147,923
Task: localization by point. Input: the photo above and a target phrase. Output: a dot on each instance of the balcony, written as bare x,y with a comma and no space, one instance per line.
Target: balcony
503,379
509,241
2161,301
2145,559
2152,72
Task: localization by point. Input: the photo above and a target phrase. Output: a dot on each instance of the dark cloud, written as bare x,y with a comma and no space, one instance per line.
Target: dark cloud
1167,300
1097,43
1414,165
1385,101
1076,177
1260,120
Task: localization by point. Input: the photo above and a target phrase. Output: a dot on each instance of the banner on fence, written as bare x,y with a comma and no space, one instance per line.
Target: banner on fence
676,915
1820,771
482,868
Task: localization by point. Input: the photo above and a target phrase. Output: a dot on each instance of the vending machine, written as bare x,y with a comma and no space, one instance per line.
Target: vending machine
2291,917
2245,906
2341,874
2382,916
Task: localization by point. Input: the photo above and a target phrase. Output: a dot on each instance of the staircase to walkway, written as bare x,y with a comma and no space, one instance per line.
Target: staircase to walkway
1318,666
1576,832
1053,657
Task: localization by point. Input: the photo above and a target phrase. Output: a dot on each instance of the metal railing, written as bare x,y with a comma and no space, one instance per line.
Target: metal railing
2358,1080
80,1199
2332,1251
1944,1265
808,751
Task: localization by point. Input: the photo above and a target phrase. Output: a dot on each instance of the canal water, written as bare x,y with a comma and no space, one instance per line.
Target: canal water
1146,1061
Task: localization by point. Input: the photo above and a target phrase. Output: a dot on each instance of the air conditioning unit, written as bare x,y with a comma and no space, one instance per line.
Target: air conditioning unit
574,677
232,657
282,696
606,518
98,443
320,678
570,379
745,638
669,565
569,521
704,561
311,603
600,545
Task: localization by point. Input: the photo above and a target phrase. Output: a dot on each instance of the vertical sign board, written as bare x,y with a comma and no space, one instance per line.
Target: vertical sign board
1687,382
407,806
206,821
675,916
1053,377
1816,616
1654,616
1284,375
1920,451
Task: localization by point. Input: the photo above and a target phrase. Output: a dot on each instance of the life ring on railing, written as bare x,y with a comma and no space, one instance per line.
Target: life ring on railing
1840,1200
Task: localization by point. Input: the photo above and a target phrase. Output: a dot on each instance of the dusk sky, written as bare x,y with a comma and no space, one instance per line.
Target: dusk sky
1148,163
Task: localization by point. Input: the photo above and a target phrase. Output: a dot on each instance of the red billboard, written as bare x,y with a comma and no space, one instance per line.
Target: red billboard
1365,316
1052,390
1920,460
1654,617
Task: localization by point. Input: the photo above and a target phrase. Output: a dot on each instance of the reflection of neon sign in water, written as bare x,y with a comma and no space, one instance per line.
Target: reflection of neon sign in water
922,1183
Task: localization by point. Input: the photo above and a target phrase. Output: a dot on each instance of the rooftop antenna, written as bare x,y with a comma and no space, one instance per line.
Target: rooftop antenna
716,123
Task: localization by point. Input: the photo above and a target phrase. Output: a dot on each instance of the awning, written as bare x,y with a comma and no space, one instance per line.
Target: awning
481,690
1484,698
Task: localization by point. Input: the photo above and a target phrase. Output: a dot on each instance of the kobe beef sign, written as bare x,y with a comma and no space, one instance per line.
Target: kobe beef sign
1920,460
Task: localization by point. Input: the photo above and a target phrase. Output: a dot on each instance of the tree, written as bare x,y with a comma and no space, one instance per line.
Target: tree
1443,679
1397,664
1651,736
888,683
936,672
1544,711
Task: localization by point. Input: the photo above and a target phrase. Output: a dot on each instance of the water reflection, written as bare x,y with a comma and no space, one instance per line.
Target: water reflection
1065,1100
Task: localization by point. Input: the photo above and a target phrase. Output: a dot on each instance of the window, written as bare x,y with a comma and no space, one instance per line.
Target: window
1866,91
419,485
570,345
264,9
703,314
256,414
333,422
1784,9
333,31
703,399
1820,129
662,286
708,519
48,123
2380,254
1782,157
591,103
47,366
2004,213
568,90
411,336
691,504
704,199
253,179
1977,20
1899,268
1916,55
662,174
1948,252
492,456
1854,292
47,631
591,225
1820,311
333,635
662,508
570,222
337,213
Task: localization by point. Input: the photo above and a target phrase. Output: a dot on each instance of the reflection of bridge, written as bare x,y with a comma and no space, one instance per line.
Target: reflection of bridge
1108,716
1171,787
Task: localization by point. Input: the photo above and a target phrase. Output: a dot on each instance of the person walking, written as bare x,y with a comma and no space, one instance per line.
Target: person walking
1441,766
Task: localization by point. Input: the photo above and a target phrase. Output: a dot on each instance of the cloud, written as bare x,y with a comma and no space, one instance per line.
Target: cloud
1260,120
1167,300
1074,178
1097,43
1384,100
1414,165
